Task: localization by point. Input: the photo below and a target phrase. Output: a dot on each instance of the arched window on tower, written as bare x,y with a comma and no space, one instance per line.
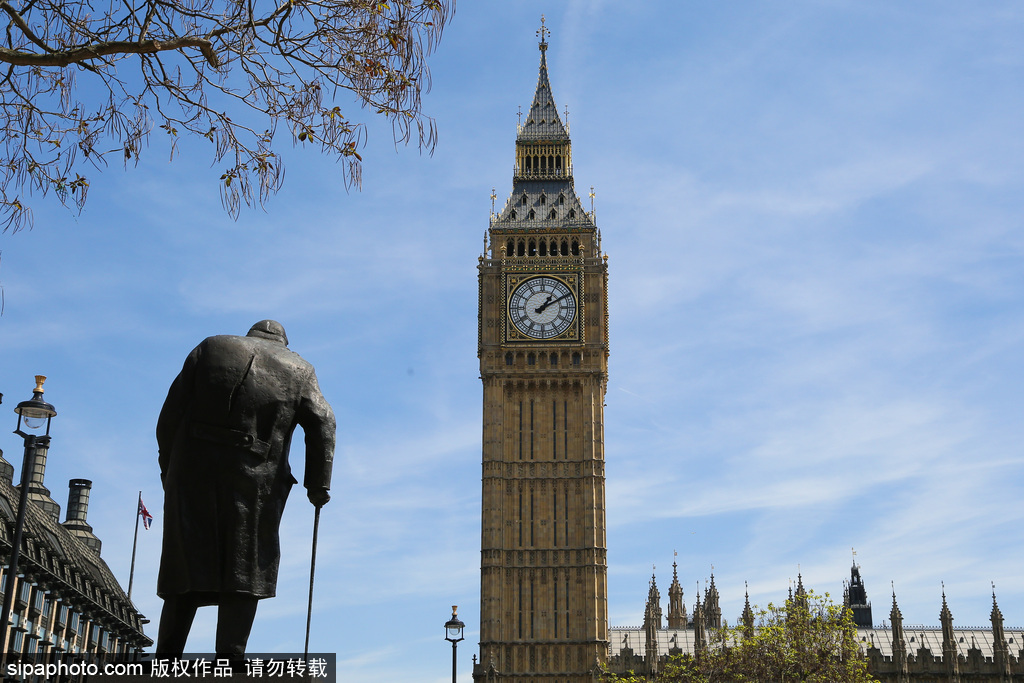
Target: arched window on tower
575,357
575,248
554,248
531,358
510,247
543,248
553,360
565,248
509,358
521,248
532,249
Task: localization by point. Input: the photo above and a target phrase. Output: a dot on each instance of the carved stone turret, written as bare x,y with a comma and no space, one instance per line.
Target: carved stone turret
949,650
1000,650
700,636
856,598
652,624
899,643
747,618
676,606
712,610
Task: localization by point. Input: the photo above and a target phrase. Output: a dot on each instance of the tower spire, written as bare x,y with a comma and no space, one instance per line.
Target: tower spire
542,121
676,605
1000,650
899,643
949,648
747,618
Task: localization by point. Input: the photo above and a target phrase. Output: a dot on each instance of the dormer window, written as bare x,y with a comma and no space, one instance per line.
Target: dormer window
553,214
532,214
561,199
543,199
523,200
512,214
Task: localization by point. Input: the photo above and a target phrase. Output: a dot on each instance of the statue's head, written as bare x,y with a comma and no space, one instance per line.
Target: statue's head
269,329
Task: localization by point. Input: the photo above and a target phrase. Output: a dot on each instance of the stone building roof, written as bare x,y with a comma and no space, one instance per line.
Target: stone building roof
66,562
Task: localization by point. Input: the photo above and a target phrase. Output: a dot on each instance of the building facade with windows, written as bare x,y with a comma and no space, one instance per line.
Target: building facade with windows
895,652
66,599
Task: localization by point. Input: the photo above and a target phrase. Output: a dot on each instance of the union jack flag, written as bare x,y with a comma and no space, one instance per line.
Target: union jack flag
147,518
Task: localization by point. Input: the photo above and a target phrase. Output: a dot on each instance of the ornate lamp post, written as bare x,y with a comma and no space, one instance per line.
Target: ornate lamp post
453,634
33,415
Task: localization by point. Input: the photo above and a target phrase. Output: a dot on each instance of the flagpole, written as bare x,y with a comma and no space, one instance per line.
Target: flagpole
135,544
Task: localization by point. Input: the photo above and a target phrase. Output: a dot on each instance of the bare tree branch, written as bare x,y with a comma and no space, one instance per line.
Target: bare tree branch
222,70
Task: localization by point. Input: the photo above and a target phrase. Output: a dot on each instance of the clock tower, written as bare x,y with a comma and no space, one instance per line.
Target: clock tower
543,348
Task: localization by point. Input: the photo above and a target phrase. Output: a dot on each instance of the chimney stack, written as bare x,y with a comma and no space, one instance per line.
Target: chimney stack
78,513
37,492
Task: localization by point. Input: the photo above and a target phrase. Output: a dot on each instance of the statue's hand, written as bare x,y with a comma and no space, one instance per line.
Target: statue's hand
318,496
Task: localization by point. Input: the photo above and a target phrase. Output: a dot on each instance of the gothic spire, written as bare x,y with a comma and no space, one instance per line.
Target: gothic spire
949,647
899,643
1000,650
747,618
712,610
700,638
676,606
542,121
856,598
652,612
652,624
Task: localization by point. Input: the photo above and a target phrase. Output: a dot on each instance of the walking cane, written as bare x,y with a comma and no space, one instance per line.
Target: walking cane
312,571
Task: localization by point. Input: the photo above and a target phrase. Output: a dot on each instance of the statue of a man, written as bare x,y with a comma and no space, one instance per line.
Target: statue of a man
223,436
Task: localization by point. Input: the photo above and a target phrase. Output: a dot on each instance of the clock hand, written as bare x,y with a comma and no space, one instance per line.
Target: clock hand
549,302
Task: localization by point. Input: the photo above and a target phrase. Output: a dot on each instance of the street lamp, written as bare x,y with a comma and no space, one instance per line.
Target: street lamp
453,634
33,415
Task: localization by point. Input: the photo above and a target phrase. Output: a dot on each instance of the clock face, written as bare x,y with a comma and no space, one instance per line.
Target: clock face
542,307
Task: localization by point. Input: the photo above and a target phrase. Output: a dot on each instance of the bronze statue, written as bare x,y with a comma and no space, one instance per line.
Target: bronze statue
223,434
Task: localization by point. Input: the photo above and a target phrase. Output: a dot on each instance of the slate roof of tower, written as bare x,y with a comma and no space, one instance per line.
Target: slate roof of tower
570,214
543,122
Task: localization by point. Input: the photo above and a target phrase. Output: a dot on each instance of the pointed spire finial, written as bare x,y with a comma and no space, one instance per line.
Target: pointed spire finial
543,33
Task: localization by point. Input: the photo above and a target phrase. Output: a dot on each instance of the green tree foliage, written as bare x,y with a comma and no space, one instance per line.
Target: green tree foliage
807,639
83,83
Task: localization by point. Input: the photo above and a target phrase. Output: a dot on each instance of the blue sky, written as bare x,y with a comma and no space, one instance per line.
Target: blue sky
813,215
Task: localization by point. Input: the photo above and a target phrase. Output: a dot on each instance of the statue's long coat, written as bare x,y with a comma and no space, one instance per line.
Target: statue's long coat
223,500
